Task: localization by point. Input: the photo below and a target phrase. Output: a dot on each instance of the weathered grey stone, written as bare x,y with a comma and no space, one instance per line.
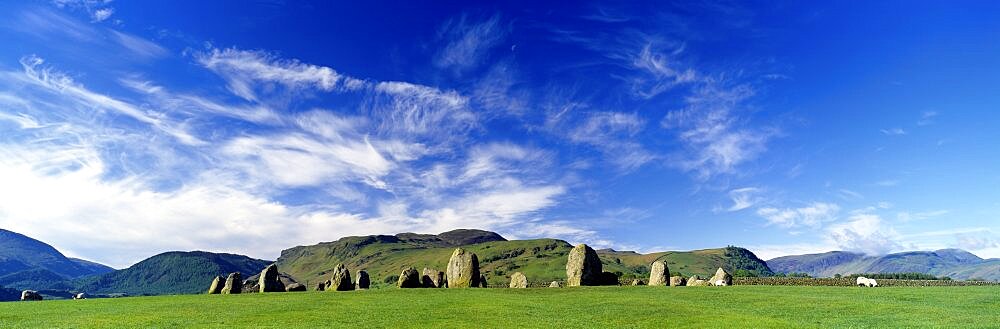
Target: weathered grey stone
216,286
658,274
295,287
554,284
233,284
694,278
29,295
518,280
721,278
341,279
409,278
432,278
638,282
583,268
363,280
268,280
677,281
463,269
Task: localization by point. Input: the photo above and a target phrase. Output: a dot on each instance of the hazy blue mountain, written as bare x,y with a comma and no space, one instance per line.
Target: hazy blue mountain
171,273
954,263
26,263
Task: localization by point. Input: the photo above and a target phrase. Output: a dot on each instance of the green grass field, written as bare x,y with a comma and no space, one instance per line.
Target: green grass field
590,307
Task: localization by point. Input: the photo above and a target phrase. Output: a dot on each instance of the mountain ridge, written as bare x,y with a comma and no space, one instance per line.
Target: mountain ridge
954,263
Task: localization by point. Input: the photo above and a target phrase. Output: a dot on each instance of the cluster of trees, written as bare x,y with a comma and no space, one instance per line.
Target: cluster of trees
746,263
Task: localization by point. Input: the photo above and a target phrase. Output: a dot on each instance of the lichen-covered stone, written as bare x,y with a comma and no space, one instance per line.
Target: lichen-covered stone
233,284
693,279
518,280
638,282
658,274
432,278
583,267
463,269
409,278
677,281
721,278
216,286
554,284
341,280
363,280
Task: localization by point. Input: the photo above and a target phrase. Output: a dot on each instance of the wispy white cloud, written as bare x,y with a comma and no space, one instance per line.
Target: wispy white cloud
812,215
894,132
137,45
614,133
248,72
906,216
660,74
102,14
744,198
468,43
715,139
865,233
927,118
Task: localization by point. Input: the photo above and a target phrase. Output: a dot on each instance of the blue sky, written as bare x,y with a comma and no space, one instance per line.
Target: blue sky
133,128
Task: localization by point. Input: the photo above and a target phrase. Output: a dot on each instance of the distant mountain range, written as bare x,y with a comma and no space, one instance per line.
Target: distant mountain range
26,263
954,263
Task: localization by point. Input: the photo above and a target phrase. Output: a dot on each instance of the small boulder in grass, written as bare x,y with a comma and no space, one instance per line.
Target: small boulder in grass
409,278
554,284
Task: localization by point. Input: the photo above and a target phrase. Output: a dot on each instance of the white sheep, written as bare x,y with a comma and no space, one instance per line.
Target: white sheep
866,282
720,283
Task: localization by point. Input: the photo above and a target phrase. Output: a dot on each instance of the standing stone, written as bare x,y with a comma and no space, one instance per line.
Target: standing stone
463,270
321,286
659,273
216,286
233,284
583,268
363,280
721,278
327,285
554,284
482,281
409,279
432,278
638,282
693,279
518,280
295,287
268,280
28,295
341,279
677,281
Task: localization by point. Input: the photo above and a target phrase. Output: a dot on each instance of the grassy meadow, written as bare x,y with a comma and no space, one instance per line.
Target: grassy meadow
589,307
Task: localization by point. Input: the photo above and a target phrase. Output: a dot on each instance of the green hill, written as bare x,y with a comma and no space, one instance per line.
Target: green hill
19,252
171,273
953,263
541,260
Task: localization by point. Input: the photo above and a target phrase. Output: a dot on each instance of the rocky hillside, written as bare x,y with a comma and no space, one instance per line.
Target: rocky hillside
542,260
171,273
955,263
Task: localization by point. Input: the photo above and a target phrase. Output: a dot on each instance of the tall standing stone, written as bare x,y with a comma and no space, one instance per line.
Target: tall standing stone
409,278
234,284
463,269
583,268
341,280
518,280
268,280
721,278
363,280
659,274
216,286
